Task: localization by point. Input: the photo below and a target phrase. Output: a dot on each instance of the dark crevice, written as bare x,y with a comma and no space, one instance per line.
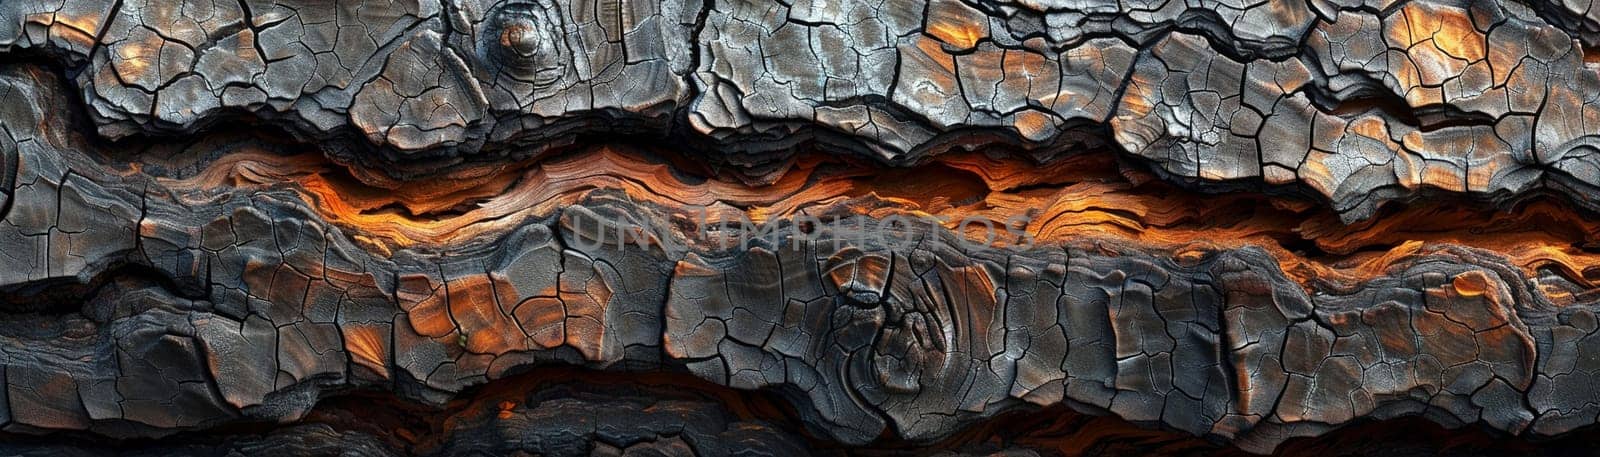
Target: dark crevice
466,421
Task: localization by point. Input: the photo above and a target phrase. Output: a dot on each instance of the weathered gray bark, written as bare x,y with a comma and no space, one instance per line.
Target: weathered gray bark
162,269
1357,103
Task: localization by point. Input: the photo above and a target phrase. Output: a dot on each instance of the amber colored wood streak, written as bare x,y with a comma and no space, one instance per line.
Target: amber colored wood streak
1087,195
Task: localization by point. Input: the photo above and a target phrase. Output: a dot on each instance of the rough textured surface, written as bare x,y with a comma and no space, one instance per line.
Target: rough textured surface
217,215
1357,103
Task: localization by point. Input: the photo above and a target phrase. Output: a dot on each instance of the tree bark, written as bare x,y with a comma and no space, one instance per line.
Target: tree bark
897,227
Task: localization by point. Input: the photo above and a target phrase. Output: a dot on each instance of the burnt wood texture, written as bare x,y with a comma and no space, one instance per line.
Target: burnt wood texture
898,223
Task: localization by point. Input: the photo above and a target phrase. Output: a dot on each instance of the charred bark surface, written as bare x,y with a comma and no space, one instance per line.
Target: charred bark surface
1240,222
